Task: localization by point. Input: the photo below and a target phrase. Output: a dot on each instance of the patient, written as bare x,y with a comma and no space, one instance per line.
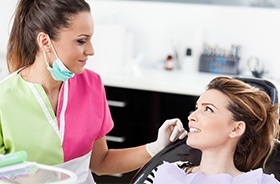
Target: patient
235,126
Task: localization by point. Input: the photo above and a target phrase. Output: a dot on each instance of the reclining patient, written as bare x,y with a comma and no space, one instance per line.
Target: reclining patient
235,126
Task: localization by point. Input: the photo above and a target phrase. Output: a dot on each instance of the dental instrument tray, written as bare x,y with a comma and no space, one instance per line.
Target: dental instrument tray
219,64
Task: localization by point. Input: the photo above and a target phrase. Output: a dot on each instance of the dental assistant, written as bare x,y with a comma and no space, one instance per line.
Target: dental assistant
54,108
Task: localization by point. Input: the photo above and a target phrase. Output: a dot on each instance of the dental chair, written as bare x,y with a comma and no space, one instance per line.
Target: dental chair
179,150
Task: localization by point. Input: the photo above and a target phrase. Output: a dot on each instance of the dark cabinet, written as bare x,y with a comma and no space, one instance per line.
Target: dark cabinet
131,112
176,106
137,115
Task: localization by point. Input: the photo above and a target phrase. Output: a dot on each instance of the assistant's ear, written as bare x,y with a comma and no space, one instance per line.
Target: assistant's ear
43,42
238,129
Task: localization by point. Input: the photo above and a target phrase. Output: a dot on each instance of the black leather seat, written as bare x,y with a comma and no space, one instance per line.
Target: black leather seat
181,151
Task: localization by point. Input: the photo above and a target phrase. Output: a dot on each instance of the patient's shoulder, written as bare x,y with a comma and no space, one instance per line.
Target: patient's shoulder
184,165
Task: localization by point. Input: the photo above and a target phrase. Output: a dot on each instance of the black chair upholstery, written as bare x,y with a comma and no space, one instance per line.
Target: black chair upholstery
174,152
264,85
179,150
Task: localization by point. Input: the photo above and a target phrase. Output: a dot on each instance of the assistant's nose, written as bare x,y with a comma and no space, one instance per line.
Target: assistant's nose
89,50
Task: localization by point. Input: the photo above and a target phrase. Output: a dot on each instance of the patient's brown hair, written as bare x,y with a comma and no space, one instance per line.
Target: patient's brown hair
253,106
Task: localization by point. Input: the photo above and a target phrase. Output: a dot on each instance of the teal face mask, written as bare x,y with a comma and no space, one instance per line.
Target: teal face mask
58,70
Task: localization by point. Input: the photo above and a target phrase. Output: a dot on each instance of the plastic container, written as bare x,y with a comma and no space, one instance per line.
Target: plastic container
31,173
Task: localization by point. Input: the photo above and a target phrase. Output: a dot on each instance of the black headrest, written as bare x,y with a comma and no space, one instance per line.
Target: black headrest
264,85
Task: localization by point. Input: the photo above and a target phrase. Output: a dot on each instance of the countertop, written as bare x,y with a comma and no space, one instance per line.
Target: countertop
174,81
161,80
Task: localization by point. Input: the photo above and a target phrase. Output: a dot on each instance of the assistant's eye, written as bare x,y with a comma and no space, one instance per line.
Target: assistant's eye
81,42
208,109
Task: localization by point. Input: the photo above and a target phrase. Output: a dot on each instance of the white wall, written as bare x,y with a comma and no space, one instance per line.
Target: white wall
6,12
155,25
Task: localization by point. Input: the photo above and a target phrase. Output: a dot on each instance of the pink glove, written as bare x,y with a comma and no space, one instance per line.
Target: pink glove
169,131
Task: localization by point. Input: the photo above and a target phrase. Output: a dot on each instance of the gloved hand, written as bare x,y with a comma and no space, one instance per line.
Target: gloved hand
169,131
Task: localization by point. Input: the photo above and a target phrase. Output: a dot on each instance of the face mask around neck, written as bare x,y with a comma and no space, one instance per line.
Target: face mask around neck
58,70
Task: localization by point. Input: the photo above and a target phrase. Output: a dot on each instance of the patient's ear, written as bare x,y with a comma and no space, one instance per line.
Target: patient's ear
238,129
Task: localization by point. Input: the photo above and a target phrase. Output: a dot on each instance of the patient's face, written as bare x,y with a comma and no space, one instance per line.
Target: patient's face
211,123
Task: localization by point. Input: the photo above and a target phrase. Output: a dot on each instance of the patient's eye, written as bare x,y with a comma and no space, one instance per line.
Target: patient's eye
208,109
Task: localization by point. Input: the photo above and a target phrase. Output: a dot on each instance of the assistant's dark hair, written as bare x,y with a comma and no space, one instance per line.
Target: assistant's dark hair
253,106
35,16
